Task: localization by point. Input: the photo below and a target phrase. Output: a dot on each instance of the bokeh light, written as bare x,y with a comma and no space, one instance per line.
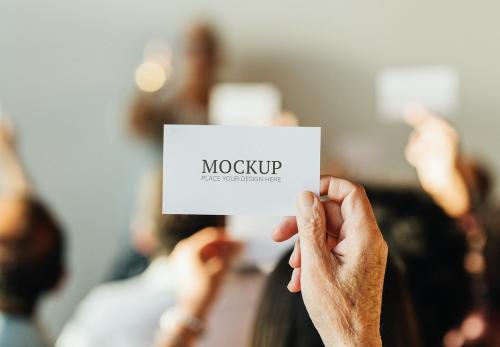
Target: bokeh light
474,263
150,76
473,326
453,338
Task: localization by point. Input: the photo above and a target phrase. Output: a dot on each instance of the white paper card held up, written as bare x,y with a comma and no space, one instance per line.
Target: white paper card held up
244,104
435,87
236,170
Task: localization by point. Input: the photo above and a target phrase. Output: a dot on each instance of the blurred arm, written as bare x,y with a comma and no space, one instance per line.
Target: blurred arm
143,114
177,335
452,195
201,263
13,175
434,150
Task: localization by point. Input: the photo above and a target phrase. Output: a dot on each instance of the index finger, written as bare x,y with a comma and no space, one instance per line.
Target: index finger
337,189
351,197
206,236
285,230
415,114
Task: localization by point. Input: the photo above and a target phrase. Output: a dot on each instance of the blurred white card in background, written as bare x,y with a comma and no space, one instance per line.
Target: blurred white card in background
255,232
435,87
244,104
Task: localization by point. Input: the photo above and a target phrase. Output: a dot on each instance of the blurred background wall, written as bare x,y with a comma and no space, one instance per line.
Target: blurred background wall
66,77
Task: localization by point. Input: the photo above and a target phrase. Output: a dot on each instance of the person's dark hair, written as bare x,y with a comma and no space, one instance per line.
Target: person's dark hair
31,259
429,249
282,319
177,227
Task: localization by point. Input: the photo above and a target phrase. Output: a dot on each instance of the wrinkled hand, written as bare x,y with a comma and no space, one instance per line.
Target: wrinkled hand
339,263
200,263
434,150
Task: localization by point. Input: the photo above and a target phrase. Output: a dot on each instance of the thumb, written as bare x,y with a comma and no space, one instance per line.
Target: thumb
215,266
311,223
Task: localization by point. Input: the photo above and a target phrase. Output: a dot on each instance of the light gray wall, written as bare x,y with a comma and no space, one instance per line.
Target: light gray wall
66,74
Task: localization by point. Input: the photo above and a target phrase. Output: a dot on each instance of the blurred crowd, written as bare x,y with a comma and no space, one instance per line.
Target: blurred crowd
180,282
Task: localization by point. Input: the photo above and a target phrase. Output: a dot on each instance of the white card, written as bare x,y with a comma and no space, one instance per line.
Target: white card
244,104
235,170
435,87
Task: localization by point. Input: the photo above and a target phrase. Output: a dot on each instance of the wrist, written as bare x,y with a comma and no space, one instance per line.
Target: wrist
194,308
179,325
7,153
351,331
369,339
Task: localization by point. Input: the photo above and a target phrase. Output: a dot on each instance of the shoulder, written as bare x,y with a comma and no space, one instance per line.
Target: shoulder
99,306
110,312
103,298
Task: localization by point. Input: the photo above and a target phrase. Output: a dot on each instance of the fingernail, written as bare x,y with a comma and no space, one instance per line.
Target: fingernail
292,279
306,200
291,257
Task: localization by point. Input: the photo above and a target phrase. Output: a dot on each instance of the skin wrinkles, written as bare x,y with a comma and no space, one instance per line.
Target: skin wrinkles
340,258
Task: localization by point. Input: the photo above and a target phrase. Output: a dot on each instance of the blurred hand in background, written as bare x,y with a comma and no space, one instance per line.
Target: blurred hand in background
13,176
201,263
434,150
286,118
7,135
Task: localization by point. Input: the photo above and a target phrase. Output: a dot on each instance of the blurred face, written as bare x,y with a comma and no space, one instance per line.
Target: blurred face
17,233
201,55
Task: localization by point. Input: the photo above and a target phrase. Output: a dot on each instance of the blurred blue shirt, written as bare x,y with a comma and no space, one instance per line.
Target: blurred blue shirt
17,331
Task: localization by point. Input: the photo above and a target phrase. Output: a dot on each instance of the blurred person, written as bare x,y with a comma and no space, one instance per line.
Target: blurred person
189,103
186,274
31,252
185,104
428,249
422,228
272,329
230,317
145,223
339,262
13,178
461,186
31,265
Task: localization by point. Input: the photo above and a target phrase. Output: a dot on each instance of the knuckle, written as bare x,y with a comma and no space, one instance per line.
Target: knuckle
312,222
382,245
359,190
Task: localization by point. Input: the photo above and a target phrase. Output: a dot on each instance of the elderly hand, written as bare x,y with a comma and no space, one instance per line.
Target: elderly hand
339,263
